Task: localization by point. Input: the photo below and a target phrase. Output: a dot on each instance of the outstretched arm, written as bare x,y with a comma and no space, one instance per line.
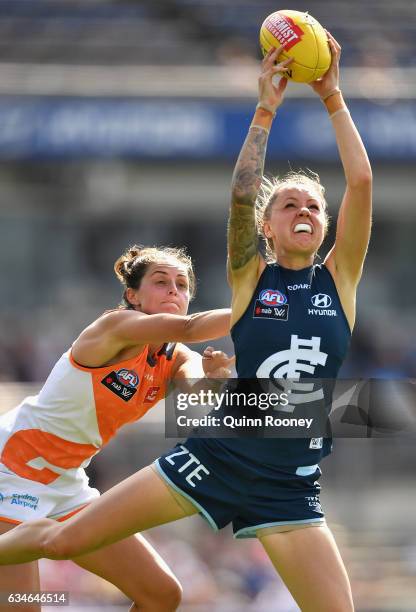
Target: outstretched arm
107,336
133,328
248,174
354,220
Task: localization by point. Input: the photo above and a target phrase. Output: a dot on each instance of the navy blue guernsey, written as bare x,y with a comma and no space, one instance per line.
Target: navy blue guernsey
294,327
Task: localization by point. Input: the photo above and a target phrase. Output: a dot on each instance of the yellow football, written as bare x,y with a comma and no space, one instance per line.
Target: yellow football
303,39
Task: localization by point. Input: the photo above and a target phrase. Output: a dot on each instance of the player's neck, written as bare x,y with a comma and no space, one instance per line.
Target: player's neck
295,262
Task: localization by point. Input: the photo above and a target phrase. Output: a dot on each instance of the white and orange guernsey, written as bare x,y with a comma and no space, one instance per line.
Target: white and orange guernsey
48,440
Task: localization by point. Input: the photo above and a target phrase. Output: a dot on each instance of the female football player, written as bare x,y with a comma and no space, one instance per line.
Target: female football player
117,369
266,487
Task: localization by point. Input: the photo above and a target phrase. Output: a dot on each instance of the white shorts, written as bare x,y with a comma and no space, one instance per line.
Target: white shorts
25,500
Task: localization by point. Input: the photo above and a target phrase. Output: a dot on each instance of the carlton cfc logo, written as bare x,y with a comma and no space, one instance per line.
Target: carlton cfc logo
272,297
128,377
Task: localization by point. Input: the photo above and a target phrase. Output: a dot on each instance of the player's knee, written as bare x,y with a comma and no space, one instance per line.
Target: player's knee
171,594
166,596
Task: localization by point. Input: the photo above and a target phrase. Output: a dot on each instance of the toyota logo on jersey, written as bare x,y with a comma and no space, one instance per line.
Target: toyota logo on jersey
272,297
128,378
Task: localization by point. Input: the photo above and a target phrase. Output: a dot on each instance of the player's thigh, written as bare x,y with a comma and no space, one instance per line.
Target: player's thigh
22,578
309,562
135,568
138,503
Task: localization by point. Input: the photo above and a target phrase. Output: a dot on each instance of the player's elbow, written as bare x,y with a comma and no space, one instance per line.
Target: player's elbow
243,197
362,179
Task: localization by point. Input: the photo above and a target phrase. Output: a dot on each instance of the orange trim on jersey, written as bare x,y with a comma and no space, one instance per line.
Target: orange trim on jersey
4,519
67,516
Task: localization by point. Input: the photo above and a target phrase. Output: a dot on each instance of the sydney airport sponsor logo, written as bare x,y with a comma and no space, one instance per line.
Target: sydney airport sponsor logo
272,297
322,303
25,499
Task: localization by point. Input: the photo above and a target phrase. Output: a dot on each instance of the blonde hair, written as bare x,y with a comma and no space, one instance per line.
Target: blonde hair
132,265
269,190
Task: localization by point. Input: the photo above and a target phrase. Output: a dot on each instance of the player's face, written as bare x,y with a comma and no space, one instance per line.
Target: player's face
164,288
297,221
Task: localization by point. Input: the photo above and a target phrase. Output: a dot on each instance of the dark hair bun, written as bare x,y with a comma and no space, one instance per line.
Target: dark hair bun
132,265
123,265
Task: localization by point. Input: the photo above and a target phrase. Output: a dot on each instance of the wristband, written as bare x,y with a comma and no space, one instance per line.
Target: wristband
339,111
333,92
266,107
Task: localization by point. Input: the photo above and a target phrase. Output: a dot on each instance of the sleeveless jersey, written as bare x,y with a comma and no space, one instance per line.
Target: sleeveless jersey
50,438
295,328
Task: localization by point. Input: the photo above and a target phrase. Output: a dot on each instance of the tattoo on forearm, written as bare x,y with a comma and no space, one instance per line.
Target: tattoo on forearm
242,236
247,177
248,171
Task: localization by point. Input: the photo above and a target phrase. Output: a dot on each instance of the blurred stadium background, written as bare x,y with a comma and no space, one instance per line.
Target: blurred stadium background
120,122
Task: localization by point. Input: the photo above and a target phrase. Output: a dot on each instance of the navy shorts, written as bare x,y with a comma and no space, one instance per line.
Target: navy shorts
227,490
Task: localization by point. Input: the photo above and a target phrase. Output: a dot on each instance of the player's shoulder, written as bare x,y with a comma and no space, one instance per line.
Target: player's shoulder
250,272
116,316
105,324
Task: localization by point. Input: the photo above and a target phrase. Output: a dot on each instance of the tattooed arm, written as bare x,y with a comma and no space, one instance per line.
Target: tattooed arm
244,261
247,177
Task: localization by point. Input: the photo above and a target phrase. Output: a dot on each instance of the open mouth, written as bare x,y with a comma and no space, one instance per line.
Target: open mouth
303,228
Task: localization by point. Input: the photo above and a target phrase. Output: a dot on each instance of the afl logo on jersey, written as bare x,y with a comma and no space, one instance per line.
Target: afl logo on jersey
272,297
123,383
321,300
128,377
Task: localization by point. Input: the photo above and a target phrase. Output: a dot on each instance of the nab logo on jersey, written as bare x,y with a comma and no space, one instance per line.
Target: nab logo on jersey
272,297
123,383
